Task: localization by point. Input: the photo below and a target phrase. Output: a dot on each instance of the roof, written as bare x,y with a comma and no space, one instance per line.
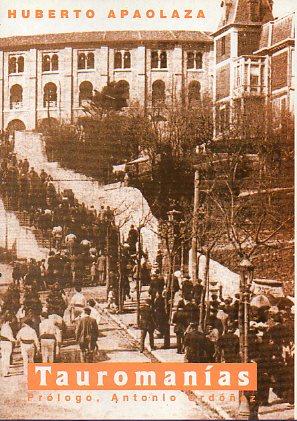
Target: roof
238,12
105,37
282,30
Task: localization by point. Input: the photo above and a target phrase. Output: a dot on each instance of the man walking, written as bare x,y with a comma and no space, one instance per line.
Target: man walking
147,324
7,340
50,335
86,335
101,267
195,345
180,321
77,302
29,342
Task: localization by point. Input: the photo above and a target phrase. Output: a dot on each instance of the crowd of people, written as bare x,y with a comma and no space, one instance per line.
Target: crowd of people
81,239
213,335
84,244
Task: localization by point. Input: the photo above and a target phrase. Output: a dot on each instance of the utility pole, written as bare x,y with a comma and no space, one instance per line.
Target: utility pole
246,277
195,226
120,282
138,280
107,260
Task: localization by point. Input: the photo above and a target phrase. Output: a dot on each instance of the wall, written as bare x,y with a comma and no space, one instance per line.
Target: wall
21,237
131,206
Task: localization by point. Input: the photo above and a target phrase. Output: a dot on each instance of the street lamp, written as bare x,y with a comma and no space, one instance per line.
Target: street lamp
246,277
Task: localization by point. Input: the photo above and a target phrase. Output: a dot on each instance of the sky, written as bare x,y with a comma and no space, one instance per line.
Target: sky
211,9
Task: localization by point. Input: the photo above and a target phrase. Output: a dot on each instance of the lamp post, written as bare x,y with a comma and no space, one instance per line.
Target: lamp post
246,277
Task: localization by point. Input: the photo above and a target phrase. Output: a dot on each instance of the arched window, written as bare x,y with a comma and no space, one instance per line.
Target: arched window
198,60
85,92
127,60
16,96
55,62
163,60
123,89
21,63
90,61
190,60
194,94
154,59
12,65
118,60
50,95
81,62
158,93
46,63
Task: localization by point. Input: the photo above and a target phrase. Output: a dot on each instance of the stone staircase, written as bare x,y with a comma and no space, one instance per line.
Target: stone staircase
24,220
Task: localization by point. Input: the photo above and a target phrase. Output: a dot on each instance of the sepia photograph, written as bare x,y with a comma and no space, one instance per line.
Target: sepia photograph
147,209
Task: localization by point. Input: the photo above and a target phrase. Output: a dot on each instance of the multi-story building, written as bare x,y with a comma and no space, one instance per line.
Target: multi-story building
254,60
53,76
247,61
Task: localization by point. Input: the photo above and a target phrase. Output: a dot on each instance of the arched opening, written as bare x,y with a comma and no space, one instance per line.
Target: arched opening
158,93
15,125
127,60
194,92
85,93
46,63
81,61
123,89
90,61
55,62
12,65
50,95
16,97
118,60
21,64
163,60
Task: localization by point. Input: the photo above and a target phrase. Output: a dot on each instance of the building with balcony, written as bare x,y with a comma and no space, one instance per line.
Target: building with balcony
55,75
254,56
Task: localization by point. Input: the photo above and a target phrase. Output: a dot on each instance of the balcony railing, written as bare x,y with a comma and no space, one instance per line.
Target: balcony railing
249,76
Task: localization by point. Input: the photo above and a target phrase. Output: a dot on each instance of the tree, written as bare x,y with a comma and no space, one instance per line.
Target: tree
246,189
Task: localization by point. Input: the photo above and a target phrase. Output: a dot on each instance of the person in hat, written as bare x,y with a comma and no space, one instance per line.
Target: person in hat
86,335
187,288
161,318
180,321
195,344
77,302
157,284
228,345
29,343
198,291
147,324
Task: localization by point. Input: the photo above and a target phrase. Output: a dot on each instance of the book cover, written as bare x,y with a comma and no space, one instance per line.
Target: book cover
147,209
